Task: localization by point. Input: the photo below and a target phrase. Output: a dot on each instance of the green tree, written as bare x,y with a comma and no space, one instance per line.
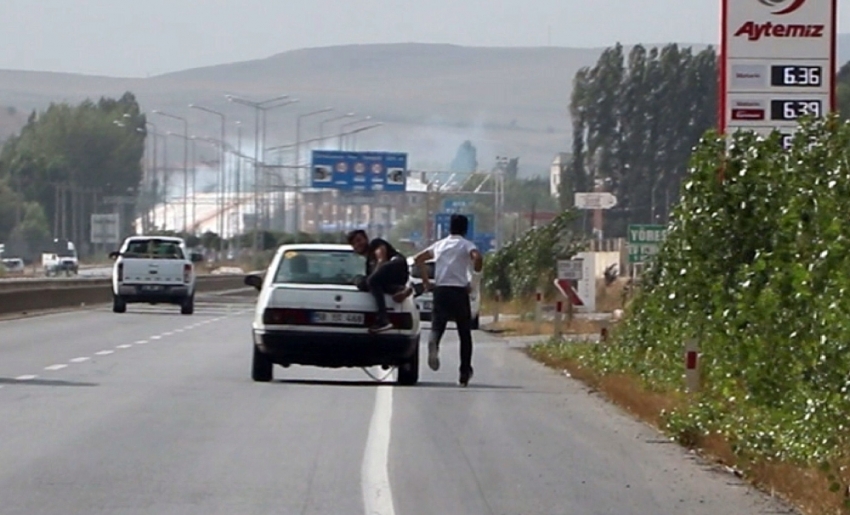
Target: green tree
96,147
33,228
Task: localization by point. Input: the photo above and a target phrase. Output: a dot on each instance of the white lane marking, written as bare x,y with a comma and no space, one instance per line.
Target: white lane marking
55,367
25,378
167,334
177,331
80,360
104,352
140,342
156,337
125,346
374,474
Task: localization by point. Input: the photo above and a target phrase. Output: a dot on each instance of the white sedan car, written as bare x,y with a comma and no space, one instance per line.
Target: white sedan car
309,312
425,301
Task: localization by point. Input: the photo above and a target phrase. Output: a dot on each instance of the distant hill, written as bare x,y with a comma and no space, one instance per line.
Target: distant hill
508,101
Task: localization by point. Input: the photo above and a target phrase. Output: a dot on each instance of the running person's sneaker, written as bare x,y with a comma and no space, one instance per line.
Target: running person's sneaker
433,355
465,377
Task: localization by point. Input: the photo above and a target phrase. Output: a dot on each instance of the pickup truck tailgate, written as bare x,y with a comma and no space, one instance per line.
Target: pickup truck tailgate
153,271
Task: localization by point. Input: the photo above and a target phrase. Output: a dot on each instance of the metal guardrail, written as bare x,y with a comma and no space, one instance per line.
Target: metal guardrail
39,294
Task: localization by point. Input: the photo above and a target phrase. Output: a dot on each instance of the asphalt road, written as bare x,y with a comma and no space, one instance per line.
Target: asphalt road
152,412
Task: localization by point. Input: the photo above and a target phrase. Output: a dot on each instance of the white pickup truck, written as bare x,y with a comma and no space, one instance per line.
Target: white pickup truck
153,270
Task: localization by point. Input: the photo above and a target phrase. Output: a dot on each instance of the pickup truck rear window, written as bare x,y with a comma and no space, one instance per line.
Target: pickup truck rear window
153,249
320,267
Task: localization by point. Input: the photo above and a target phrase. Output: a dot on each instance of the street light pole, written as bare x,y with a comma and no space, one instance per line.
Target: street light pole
222,174
298,163
343,134
185,165
257,107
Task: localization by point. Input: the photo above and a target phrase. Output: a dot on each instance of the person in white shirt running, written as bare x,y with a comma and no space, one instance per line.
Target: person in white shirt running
453,257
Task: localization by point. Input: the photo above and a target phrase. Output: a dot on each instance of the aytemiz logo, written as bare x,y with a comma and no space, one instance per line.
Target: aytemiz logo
755,31
786,6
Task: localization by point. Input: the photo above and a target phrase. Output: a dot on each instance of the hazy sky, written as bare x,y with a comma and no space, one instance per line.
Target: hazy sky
148,37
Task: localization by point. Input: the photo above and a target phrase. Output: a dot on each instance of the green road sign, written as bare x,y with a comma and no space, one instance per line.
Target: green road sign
644,241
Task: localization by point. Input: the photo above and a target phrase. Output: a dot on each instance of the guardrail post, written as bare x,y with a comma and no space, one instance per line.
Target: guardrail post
538,311
692,365
559,309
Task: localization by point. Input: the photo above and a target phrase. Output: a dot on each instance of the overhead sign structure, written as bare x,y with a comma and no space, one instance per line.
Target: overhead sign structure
778,63
358,171
598,200
570,269
443,220
455,205
644,241
105,228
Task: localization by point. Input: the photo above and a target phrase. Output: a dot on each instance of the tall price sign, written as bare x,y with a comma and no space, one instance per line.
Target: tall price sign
778,64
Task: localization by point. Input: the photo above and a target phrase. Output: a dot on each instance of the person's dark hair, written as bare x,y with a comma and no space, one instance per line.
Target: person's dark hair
458,224
353,234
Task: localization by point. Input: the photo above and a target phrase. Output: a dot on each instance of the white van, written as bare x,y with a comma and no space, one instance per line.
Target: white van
425,302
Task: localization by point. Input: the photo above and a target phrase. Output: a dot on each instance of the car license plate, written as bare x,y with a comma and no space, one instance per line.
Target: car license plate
151,287
331,317
427,306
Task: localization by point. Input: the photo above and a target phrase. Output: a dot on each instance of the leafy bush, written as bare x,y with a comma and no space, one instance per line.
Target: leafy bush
756,266
520,267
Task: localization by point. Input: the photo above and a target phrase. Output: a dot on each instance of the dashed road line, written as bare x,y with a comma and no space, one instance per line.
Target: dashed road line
104,352
25,378
125,346
80,360
55,367
156,337
140,342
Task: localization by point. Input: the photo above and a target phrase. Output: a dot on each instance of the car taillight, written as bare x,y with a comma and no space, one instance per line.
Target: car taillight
398,320
187,273
120,272
282,316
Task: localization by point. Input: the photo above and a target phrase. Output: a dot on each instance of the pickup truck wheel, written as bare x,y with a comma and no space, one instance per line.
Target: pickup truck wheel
261,367
119,305
408,373
188,306
476,323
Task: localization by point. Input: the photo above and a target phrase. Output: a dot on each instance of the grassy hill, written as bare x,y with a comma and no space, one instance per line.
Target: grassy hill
508,101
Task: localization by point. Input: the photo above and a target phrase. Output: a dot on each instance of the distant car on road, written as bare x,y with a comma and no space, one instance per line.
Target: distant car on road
309,312
13,266
153,270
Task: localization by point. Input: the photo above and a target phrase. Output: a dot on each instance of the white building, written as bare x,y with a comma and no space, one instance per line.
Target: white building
555,169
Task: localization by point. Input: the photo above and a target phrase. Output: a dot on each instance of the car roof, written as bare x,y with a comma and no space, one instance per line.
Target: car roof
334,247
154,237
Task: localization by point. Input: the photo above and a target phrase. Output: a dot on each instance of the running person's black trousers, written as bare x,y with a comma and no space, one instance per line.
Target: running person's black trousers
452,302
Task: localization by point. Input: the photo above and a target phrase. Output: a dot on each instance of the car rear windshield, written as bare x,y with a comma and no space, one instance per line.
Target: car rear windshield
414,271
320,267
153,249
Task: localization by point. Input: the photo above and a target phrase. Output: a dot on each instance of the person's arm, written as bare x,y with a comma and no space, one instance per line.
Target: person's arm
476,257
420,261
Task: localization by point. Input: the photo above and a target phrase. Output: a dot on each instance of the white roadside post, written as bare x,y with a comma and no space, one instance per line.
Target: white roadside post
692,365
538,311
498,305
559,308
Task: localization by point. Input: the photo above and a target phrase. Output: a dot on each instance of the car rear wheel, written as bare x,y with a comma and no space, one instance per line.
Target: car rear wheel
119,305
408,373
188,306
261,367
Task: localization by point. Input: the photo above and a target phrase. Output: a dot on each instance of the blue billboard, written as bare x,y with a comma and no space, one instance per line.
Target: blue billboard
442,220
358,171
485,241
456,205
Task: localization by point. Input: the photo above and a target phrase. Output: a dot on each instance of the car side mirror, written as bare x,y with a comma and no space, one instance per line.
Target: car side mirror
196,257
255,281
114,254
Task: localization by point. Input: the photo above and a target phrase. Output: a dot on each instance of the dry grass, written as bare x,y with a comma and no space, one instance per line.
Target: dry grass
608,298
808,488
